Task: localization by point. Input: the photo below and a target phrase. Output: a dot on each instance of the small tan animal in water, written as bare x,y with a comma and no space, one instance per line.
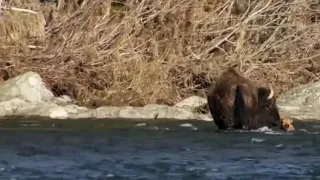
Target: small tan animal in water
287,124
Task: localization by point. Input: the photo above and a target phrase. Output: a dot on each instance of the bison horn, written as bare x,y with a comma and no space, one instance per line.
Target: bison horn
271,93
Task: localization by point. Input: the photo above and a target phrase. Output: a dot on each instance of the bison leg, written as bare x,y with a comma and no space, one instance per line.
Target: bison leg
216,111
230,107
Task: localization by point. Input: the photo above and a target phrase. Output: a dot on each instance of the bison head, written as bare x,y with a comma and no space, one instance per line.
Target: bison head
267,113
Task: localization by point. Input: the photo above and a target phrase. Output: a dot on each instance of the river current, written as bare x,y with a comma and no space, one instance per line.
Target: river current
119,149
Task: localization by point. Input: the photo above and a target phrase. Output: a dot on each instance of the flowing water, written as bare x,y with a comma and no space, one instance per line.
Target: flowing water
117,149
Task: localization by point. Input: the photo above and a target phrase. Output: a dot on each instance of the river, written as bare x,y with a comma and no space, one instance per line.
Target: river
119,149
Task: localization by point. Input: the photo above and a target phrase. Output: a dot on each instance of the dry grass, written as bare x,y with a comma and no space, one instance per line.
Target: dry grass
160,51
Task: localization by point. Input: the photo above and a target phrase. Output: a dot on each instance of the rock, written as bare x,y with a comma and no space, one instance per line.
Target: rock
76,112
20,107
308,94
28,86
11,106
107,112
151,111
55,111
63,100
36,109
58,113
138,112
204,117
90,113
73,109
192,102
302,102
167,112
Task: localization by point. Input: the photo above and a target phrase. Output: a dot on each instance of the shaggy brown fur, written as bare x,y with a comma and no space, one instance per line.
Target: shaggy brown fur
236,102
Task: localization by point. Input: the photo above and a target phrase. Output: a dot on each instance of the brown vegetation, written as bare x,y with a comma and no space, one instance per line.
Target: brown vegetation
160,51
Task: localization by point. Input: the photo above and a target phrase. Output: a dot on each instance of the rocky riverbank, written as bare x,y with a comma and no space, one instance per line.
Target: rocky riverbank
27,95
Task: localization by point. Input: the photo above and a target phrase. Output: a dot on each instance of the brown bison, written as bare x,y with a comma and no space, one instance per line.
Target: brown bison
237,103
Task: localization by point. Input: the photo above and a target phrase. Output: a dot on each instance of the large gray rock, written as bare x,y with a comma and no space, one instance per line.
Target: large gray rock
10,107
107,112
192,102
204,117
28,86
302,102
167,112
151,111
307,94
63,100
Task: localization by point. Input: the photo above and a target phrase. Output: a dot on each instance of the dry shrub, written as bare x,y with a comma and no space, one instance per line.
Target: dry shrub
161,51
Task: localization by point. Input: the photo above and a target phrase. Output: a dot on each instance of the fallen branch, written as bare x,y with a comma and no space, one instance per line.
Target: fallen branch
35,47
19,9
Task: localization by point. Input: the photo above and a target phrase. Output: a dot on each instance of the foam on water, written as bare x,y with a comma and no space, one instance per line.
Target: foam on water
279,145
304,130
313,132
189,125
267,130
257,140
110,175
141,124
152,127
264,130
186,125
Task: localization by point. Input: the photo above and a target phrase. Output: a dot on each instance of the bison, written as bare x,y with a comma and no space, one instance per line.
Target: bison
237,103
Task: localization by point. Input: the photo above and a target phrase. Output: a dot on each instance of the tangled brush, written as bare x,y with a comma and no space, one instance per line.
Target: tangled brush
133,53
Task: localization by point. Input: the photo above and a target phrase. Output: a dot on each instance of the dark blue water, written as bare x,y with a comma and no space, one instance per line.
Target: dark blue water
165,150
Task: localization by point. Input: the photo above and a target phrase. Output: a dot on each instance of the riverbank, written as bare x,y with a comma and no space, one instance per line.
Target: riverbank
26,95
158,52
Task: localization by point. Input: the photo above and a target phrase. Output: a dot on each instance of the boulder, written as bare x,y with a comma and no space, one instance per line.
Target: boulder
192,102
138,112
10,107
301,102
63,100
107,112
167,112
204,117
58,113
28,86
151,111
